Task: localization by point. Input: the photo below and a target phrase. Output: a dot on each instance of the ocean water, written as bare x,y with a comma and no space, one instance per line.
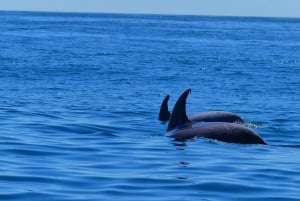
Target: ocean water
80,96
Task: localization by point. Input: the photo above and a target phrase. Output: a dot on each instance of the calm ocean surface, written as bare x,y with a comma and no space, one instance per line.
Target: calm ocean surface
80,95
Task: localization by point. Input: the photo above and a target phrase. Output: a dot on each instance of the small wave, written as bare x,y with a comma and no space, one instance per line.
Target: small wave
254,125
74,129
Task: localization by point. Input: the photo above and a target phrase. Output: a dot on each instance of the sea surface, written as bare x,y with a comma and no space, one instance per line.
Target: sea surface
80,96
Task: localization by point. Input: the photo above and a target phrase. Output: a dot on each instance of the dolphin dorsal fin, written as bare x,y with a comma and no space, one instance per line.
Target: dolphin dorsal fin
178,116
164,113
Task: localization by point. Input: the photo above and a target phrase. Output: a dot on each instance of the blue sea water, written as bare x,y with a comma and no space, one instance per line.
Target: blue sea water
80,95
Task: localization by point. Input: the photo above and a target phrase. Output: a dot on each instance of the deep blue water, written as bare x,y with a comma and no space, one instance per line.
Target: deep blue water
80,95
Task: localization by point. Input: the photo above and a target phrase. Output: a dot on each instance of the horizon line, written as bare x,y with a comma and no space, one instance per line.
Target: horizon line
146,13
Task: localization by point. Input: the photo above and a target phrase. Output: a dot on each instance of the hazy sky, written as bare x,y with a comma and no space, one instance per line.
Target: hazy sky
277,8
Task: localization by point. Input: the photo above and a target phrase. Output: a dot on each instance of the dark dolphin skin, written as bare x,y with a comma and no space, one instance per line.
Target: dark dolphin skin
164,113
181,128
211,116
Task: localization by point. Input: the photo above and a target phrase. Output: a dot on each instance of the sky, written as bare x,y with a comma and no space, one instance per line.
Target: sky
264,8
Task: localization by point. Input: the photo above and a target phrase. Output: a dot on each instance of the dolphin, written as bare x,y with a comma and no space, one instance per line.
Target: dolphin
181,128
210,116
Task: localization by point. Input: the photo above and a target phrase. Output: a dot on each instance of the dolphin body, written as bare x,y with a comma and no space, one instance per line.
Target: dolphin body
211,116
181,128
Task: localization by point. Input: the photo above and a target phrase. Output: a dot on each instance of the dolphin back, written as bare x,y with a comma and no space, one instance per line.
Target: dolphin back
216,116
225,132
